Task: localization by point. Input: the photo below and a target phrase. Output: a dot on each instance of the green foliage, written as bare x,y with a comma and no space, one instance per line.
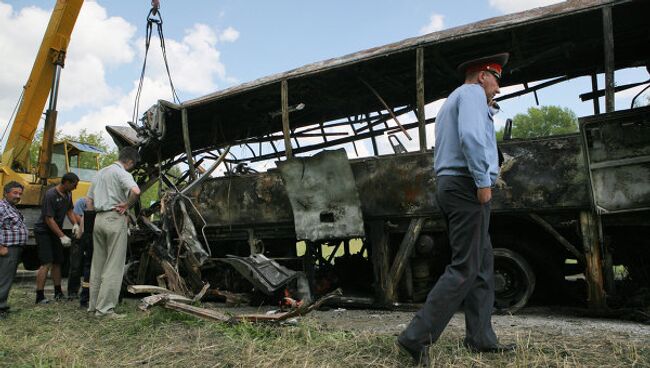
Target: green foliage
87,160
151,195
542,122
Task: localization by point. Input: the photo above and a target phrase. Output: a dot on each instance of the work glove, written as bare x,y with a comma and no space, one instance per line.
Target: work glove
65,241
76,231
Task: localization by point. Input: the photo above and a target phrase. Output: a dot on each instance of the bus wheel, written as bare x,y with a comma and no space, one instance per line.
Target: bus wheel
514,281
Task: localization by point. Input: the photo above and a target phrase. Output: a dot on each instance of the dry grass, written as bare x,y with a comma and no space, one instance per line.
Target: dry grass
61,335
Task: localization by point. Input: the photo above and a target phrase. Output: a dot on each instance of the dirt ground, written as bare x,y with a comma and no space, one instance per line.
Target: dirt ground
545,337
553,320
548,320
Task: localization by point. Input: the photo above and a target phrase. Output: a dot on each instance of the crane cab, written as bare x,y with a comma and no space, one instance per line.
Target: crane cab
79,158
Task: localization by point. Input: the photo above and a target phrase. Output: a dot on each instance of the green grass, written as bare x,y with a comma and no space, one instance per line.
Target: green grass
61,335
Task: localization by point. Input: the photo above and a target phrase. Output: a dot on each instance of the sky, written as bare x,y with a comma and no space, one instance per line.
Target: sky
216,44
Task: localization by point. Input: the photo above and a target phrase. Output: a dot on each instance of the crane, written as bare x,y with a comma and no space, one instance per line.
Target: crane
54,158
43,81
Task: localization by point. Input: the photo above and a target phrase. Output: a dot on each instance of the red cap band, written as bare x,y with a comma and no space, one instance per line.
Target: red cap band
493,67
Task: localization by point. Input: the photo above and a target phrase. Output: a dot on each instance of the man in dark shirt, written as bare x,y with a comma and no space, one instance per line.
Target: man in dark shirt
49,235
13,236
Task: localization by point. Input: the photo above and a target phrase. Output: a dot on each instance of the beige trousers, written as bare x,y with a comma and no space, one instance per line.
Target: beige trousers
109,255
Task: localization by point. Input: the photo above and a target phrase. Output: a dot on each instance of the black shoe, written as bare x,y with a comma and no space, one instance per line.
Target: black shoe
59,296
43,301
498,348
83,305
4,314
73,296
420,356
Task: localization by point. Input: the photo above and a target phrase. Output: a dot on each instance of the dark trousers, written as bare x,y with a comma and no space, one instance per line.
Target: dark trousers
468,280
81,254
8,266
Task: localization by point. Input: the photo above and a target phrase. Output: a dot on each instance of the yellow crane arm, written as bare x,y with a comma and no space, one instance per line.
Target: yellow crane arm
43,79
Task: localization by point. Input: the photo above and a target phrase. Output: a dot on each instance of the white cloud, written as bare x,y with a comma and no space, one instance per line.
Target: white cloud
102,46
229,35
436,23
97,41
107,38
513,6
194,62
20,36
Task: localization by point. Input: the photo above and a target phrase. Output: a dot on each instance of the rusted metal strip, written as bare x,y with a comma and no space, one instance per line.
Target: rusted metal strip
284,95
186,142
593,261
382,118
594,90
390,111
533,88
335,142
608,35
403,254
419,88
375,149
596,93
196,183
562,240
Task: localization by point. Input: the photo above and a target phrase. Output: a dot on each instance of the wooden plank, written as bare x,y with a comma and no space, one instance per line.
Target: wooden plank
419,89
284,95
593,261
301,311
186,142
403,254
608,35
147,289
201,293
209,314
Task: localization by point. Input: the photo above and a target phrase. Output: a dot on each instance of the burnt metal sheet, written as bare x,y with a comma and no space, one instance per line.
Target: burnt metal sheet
538,175
323,196
396,185
541,174
241,200
266,274
618,147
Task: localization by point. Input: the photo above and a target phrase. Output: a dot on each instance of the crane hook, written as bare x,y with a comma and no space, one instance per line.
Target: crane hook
155,5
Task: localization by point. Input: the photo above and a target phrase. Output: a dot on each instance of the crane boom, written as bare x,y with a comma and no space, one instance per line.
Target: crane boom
42,79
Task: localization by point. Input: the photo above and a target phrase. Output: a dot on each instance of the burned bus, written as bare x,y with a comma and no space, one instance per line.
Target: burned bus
286,184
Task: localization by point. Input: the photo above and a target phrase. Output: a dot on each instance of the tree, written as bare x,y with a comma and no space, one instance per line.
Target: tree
542,122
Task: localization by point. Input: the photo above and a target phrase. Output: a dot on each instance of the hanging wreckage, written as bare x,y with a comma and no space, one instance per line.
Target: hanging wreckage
370,225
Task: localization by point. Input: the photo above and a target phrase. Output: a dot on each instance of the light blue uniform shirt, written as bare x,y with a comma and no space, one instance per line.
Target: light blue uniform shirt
80,206
465,138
